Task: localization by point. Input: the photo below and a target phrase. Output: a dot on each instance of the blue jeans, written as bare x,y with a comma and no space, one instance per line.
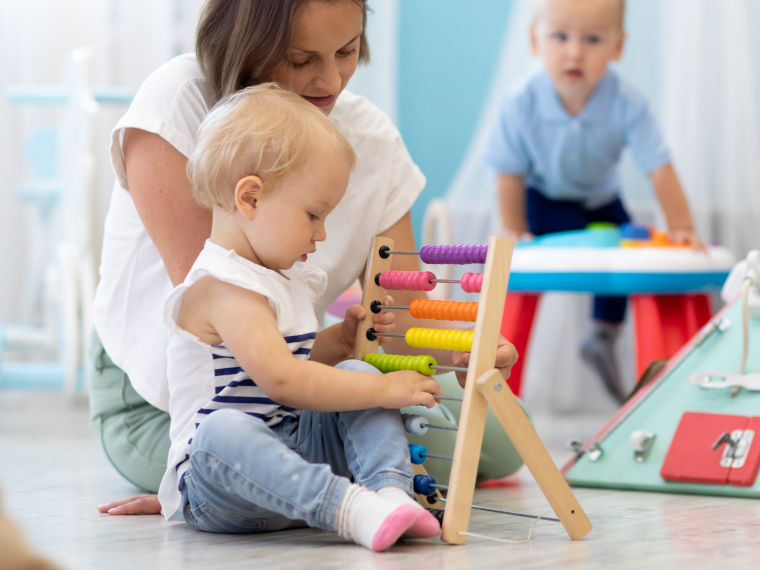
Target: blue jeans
548,216
246,477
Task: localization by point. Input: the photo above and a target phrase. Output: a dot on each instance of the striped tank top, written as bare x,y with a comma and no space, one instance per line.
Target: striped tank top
205,378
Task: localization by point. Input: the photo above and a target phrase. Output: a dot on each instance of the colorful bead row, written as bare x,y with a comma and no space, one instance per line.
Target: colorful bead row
439,338
406,280
392,362
444,310
454,254
423,281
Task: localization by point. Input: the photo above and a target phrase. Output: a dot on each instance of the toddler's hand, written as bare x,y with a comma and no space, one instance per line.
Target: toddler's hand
516,235
382,322
687,236
409,388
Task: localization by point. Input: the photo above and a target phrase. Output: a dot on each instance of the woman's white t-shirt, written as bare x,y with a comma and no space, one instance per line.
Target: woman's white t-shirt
134,283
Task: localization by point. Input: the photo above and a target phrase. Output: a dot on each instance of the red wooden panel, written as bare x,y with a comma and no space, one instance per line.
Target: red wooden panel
745,476
664,323
690,457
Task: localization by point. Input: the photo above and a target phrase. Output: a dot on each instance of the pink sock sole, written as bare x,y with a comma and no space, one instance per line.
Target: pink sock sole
426,525
396,524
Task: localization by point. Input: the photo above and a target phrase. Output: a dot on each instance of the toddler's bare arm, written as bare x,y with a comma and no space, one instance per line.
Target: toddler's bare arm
671,196
245,323
510,194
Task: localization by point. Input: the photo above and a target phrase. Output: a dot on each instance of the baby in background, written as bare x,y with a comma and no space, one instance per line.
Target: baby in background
269,420
558,143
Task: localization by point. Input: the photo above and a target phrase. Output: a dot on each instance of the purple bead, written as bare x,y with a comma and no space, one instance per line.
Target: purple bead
454,254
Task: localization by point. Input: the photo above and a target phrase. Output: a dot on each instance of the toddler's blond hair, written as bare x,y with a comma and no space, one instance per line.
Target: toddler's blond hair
264,131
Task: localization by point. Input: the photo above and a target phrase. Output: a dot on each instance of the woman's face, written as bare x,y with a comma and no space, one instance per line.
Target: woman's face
323,52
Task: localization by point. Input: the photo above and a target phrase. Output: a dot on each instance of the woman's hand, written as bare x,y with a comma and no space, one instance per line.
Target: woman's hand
409,388
382,322
137,505
506,357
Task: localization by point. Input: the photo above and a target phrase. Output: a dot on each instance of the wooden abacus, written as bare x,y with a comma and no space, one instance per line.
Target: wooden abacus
484,385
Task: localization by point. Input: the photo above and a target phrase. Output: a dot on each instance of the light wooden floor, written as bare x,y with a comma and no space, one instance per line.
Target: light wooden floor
53,474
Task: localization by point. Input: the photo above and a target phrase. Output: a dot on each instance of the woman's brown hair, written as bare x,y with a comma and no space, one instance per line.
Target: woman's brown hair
239,42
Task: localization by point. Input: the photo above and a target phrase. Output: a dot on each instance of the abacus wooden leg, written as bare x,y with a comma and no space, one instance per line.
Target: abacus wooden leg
472,420
525,439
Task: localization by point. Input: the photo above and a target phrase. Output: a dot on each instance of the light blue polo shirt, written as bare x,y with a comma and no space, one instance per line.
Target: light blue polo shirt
574,158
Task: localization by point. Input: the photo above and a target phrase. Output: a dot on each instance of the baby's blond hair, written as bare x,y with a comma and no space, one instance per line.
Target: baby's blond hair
264,131
539,5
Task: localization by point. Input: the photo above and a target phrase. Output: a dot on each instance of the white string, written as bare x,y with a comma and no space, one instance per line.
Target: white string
526,541
747,285
745,323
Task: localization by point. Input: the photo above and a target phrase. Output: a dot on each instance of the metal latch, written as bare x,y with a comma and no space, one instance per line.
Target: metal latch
642,443
737,443
576,446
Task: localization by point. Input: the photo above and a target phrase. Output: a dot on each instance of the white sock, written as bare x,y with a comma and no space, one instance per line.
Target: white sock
371,520
398,495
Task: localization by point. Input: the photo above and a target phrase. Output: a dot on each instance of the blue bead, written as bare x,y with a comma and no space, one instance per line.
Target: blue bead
422,485
634,231
416,452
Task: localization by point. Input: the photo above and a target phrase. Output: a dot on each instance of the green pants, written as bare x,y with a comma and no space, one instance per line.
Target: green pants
135,435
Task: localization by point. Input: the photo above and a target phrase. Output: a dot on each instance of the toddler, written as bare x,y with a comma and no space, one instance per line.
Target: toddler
558,142
269,420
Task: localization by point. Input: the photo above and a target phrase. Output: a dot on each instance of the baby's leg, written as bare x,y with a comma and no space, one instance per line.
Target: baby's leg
244,478
371,445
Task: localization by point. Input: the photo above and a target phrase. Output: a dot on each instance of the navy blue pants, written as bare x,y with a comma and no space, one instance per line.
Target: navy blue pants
548,216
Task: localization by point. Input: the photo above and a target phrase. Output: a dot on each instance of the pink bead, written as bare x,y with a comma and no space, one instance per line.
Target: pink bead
407,280
472,282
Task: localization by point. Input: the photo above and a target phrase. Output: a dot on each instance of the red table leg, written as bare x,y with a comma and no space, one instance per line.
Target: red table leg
519,311
664,323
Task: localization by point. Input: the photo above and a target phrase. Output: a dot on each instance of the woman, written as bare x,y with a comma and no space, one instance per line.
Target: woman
154,229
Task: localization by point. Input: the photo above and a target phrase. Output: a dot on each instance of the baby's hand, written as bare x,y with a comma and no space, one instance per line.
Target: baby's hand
382,322
687,236
409,388
516,235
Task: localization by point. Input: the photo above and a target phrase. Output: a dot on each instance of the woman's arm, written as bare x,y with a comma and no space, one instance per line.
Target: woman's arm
163,197
403,235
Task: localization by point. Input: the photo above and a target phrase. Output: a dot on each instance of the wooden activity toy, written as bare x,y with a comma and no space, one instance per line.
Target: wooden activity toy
484,385
694,428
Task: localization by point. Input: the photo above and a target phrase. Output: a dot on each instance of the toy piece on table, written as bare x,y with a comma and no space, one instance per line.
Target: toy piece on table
633,235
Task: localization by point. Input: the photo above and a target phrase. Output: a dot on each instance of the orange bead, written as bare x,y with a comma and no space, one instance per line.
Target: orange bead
444,310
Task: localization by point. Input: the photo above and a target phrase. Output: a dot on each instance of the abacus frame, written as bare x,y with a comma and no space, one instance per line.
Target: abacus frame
484,387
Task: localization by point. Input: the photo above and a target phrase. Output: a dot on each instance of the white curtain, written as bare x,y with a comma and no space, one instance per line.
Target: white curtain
711,113
130,39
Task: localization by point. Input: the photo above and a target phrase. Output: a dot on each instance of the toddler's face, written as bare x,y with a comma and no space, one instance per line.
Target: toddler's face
290,219
576,40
